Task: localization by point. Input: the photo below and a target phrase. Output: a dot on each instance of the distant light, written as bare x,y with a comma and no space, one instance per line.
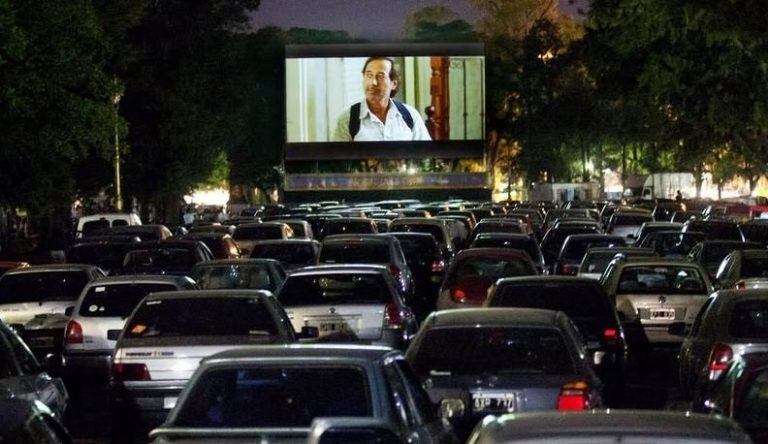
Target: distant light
412,170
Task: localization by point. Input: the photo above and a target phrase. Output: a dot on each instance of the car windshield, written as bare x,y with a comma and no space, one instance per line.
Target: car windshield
335,289
43,286
749,320
228,276
493,350
355,253
295,254
257,233
753,410
290,396
492,267
118,300
202,316
661,279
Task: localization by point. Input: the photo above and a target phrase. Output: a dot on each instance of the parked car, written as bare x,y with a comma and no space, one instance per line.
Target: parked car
473,271
248,234
222,245
557,214
428,265
165,257
105,254
741,394
576,245
710,253
369,249
626,224
553,240
684,216
275,393
640,426
492,361
596,260
653,293
168,334
349,303
27,421
22,376
650,227
715,229
301,228
213,228
98,317
348,225
673,244
740,266
585,302
435,227
730,323
521,242
34,301
755,231
253,274
511,226
88,225
291,253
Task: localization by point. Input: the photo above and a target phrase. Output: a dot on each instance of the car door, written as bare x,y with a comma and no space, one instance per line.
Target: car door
688,348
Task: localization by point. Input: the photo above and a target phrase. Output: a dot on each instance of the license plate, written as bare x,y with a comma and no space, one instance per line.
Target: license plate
327,328
662,313
493,402
169,402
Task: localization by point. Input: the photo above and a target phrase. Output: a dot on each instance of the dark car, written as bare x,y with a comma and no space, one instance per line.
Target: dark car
576,245
755,231
107,255
348,225
291,253
742,395
710,253
214,228
428,264
474,271
165,257
672,243
522,242
715,229
221,244
254,274
493,361
24,421
553,241
585,302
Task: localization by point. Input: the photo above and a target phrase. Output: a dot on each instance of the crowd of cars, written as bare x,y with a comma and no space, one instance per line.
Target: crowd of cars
394,321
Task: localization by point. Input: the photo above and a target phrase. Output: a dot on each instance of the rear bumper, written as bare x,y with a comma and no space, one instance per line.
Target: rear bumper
88,368
142,406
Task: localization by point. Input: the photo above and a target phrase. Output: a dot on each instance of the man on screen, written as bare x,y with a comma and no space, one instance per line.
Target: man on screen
379,117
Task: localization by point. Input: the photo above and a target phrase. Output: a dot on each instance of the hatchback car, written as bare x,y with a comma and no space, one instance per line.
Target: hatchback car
274,393
715,229
493,361
348,225
474,271
730,323
553,241
168,334
349,303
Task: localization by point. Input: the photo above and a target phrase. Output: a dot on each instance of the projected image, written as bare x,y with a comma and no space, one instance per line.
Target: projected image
385,99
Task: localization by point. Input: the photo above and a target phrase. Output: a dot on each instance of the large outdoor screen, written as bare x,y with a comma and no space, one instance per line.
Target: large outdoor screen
395,101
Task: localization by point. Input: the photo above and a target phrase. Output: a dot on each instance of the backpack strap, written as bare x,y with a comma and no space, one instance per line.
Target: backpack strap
407,117
354,120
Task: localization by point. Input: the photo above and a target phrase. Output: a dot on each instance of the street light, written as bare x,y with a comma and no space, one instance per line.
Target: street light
116,96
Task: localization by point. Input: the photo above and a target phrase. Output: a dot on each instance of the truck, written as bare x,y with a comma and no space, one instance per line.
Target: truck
666,185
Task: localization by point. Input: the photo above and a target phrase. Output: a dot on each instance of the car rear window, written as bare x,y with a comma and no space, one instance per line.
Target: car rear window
202,316
159,258
662,279
43,286
94,227
496,351
299,254
755,232
257,233
290,396
498,228
754,266
434,230
622,219
416,248
334,289
598,262
231,276
749,319
355,253
575,250
346,227
118,300
574,299
492,267
108,256
717,230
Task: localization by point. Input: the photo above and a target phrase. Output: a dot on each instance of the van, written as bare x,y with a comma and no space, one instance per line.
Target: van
89,225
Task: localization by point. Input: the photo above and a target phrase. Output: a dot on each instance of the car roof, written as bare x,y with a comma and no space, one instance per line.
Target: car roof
310,351
507,253
166,243
754,252
621,250
229,293
515,236
53,267
741,295
571,280
262,224
419,220
340,268
140,278
522,426
595,236
240,261
292,241
342,238
494,316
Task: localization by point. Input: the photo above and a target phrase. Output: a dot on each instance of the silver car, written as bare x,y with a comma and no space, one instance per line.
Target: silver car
609,426
741,265
652,293
731,322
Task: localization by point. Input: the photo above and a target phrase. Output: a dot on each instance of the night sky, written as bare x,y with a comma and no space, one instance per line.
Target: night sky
374,20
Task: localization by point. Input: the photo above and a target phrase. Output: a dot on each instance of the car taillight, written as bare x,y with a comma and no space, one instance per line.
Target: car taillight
573,396
393,316
741,285
394,271
718,360
73,333
569,269
130,372
438,266
610,335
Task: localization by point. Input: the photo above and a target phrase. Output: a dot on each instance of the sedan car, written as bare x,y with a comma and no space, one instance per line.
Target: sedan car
262,394
493,361
291,253
175,257
576,245
522,242
740,266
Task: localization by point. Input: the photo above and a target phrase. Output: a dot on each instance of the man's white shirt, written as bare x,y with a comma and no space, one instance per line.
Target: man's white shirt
373,130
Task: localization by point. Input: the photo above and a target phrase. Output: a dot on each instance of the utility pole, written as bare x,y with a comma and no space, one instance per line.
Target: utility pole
118,189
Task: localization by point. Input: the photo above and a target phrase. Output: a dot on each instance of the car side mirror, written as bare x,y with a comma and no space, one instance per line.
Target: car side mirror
678,329
308,332
68,311
53,364
452,408
112,335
